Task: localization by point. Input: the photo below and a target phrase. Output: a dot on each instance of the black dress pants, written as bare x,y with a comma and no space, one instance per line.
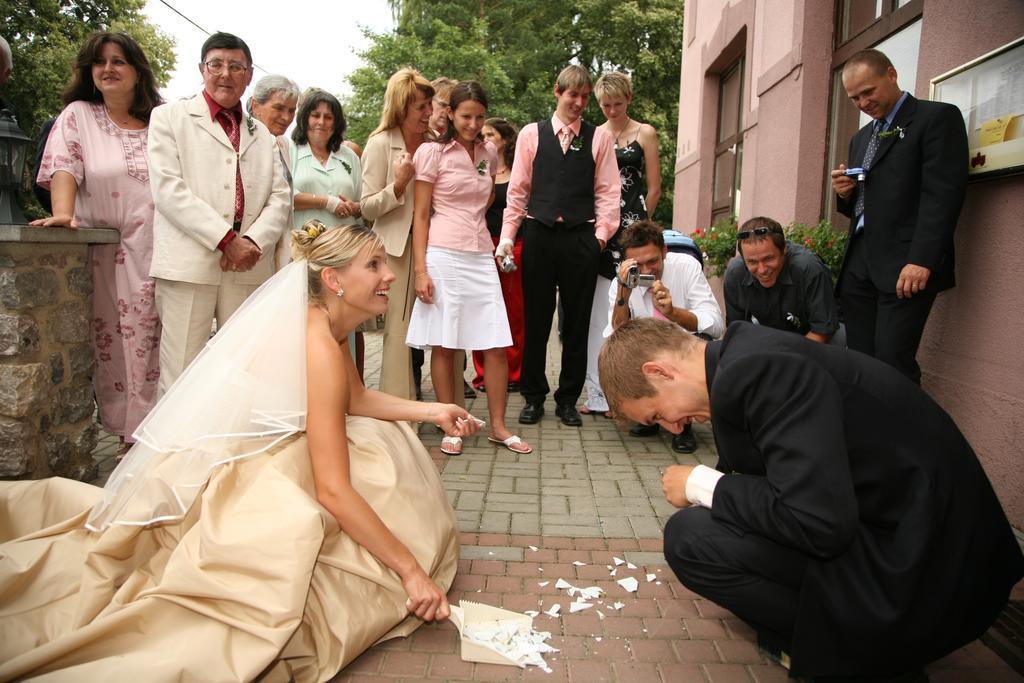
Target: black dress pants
879,323
753,577
563,259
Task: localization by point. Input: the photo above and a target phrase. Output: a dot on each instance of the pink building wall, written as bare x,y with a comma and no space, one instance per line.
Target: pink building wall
972,354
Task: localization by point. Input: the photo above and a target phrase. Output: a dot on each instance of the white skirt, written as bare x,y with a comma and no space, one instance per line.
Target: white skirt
468,310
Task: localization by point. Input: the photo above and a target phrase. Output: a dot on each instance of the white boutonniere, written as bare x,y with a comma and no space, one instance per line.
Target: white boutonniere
892,132
481,168
576,144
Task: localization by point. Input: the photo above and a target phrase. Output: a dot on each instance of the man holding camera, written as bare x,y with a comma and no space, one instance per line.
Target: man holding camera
564,195
653,283
903,199
779,284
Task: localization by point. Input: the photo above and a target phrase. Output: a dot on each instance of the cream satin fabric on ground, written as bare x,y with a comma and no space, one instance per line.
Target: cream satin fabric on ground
256,583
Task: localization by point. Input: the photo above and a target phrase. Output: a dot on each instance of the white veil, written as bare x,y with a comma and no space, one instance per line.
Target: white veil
243,393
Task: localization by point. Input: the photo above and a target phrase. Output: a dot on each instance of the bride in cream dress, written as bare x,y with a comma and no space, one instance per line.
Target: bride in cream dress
274,519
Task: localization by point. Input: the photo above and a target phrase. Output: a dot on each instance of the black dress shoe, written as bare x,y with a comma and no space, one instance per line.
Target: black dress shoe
531,413
570,416
684,441
513,387
644,430
467,391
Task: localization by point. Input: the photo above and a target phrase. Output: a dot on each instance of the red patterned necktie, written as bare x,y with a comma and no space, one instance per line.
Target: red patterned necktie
234,135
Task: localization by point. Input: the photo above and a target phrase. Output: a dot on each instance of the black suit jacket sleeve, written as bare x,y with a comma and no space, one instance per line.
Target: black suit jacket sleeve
943,185
734,310
779,425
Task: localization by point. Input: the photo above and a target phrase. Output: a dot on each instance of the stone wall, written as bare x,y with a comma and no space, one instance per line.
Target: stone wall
46,355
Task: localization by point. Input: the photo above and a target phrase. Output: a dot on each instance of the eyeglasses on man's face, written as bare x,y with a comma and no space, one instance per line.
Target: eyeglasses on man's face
758,232
217,67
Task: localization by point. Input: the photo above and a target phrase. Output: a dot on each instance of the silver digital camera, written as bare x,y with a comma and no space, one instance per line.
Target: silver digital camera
507,264
634,279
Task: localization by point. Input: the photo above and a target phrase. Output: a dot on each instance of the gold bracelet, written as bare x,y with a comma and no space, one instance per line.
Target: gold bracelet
419,275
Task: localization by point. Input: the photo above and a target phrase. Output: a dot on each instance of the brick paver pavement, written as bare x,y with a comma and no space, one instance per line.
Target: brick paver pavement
584,495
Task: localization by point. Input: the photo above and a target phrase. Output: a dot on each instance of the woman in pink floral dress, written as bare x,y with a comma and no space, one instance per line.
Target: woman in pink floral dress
96,168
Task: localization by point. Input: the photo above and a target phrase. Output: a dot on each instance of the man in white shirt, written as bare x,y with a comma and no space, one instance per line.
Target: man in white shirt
680,294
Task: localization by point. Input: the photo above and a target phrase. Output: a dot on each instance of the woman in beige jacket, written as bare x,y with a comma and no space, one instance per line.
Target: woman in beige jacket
387,200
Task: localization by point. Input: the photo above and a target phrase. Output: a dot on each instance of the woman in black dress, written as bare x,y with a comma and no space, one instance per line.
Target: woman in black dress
636,150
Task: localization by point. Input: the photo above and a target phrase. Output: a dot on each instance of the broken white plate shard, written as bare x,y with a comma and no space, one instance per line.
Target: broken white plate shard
496,636
540,569
609,567
630,565
657,583
618,605
651,577
562,583
591,592
543,583
532,547
618,560
629,583
531,613
600,614
598,638
578,606
579,564
553,611
614,572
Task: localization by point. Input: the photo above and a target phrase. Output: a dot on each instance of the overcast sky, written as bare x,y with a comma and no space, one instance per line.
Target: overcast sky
313,42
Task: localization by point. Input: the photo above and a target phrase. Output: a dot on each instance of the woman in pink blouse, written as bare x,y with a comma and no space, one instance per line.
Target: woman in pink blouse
97,171
459,302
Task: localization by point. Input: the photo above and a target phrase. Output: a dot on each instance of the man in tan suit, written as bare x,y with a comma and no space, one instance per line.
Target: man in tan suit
221,202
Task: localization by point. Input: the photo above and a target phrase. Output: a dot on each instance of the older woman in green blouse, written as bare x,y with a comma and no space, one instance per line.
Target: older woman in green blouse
327,175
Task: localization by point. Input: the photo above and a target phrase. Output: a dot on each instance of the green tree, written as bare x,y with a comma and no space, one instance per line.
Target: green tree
515,48
45,36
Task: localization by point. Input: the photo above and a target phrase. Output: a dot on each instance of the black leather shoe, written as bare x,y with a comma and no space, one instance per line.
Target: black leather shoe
644,430
569,415
531,413
684,441
467,391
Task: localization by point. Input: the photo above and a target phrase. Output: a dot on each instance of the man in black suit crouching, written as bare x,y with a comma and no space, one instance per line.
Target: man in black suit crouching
903,208
854,551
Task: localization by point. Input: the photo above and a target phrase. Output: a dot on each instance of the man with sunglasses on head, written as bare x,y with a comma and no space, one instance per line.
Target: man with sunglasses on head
780,284
221,200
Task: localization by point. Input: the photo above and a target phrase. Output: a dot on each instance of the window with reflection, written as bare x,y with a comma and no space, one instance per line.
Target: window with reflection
729,143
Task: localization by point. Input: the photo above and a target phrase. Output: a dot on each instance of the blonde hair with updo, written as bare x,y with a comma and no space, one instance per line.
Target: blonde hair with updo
324,247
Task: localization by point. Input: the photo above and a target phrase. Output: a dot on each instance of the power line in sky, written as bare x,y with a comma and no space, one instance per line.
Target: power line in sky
180,14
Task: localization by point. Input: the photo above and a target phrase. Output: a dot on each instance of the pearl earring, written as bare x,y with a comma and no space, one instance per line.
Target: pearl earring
340,292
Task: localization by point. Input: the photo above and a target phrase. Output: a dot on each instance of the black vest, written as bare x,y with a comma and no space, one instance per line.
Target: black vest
563,184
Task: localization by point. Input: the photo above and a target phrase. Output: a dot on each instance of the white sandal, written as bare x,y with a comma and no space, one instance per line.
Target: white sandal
511,443
453,444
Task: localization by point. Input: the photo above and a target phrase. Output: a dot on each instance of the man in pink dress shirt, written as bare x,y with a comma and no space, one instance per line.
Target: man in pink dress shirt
564,194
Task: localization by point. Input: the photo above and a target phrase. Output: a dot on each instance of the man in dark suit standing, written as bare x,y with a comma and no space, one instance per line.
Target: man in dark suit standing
903,209
859,552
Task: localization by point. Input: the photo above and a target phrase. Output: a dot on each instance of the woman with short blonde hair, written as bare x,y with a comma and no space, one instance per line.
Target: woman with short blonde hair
636,151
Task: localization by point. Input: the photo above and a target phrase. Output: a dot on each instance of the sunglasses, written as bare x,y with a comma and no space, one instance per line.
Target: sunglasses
756,232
